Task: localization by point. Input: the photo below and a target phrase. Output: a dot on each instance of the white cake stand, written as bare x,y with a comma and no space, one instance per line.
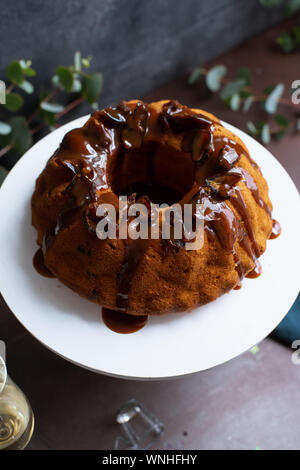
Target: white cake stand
167,347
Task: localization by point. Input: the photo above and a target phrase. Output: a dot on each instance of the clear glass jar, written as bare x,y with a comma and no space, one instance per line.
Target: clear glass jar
16,416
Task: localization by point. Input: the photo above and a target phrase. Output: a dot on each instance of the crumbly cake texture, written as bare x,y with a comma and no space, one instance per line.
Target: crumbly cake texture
189,152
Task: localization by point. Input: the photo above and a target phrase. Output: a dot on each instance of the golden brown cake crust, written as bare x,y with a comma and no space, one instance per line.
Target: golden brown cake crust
191,152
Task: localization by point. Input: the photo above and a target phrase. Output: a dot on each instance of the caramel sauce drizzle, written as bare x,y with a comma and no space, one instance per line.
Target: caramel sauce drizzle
134,251
84,153
256,271
39,264
123,323
276,230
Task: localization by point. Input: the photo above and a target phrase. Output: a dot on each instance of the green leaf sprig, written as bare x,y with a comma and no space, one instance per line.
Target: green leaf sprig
68,81
289,41
237,94
291,6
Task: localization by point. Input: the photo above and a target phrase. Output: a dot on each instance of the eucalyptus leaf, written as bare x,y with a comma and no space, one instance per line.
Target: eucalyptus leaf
14,72
245,74
296,34
260,125
65,77
3,174
86,62
27,70
235,102
232,88
214,77
248,103
265,134
278,135
5,128
27,87
76,87
285,42
21,138
91,87
268,89
195,76
77,61
292,6
47,117
245,93
13,101
23,63
51,107
271,102
252,128
281,120
56,82
270,3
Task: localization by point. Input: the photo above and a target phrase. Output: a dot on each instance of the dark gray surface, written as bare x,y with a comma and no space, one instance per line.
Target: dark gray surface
138,44
250,402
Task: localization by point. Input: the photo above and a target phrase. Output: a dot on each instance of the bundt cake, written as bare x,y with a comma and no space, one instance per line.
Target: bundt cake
162,152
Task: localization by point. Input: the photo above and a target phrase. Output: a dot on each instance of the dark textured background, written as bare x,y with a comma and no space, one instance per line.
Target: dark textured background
138,44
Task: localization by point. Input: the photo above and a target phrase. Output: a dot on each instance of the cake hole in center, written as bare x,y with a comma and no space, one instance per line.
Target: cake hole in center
158,171
156,193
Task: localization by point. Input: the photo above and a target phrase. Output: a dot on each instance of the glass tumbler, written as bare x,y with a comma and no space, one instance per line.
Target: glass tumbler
140,427
16,416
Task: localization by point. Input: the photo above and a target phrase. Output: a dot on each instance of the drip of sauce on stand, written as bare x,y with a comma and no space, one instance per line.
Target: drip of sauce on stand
120,322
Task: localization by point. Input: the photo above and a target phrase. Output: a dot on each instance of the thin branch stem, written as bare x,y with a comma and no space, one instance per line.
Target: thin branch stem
70,106
283,101
10,88
45,100
4,150
37,128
